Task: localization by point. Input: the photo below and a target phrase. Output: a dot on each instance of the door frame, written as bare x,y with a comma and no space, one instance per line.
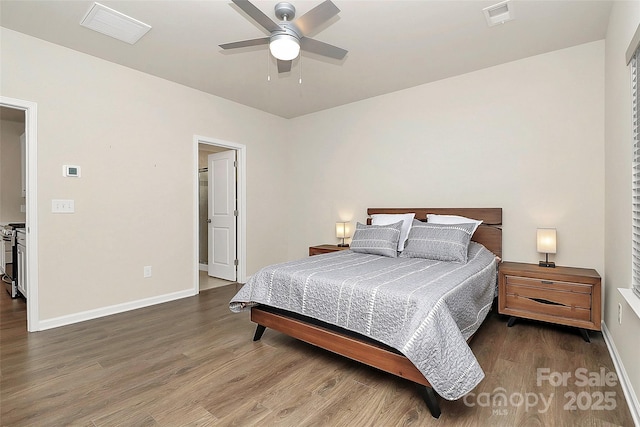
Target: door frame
31,131
241,194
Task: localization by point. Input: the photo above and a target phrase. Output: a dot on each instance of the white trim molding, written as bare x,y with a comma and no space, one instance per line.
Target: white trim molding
633,45
625,382
113,309
31,133
241,158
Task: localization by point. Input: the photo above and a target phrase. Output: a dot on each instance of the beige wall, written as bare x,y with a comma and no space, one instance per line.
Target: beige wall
526,136
623,22
10,172
132,134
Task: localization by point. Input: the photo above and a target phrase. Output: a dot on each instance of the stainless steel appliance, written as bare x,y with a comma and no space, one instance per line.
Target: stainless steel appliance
20,261
6,259
10,256
6,242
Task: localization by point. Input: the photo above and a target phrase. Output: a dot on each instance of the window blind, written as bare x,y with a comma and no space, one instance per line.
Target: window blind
636,171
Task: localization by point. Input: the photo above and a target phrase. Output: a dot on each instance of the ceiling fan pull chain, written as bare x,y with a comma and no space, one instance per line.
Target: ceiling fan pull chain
300,68
268,66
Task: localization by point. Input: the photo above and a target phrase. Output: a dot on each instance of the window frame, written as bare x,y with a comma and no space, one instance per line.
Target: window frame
635,171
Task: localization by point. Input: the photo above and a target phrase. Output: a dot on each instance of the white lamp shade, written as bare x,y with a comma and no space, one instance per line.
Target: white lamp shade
284,47
546,238
343,230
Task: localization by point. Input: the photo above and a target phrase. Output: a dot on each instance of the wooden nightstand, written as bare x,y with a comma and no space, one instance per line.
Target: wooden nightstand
323,249
562,295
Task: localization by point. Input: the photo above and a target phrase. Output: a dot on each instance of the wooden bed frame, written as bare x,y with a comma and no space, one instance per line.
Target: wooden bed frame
359,347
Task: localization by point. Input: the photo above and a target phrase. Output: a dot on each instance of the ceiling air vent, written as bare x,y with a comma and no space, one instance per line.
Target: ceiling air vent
498,13
114,24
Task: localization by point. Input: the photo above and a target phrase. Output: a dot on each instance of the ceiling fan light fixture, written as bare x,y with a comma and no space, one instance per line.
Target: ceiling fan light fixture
284,47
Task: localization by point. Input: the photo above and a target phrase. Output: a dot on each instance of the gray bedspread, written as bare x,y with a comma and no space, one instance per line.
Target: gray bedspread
425,309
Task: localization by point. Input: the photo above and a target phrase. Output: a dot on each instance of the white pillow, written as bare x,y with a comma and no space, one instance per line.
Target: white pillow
453,219
386,219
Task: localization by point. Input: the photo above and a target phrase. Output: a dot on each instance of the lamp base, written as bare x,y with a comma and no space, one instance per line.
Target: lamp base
343,245
547,264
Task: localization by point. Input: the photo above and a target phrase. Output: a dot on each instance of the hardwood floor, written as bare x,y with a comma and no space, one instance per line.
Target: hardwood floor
193,362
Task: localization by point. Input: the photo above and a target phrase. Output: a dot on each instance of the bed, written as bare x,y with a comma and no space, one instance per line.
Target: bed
340,302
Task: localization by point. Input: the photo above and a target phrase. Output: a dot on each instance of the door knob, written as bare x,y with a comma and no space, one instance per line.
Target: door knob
209,221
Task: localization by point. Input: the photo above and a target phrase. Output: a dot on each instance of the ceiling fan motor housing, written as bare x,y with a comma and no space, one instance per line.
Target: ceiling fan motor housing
285,11
289,29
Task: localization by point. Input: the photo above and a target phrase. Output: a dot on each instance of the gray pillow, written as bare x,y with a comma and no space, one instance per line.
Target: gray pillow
377,239
440,242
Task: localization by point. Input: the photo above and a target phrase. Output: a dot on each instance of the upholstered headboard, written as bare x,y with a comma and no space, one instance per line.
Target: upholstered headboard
488,234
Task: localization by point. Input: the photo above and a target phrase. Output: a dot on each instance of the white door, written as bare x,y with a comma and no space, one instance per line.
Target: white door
222,215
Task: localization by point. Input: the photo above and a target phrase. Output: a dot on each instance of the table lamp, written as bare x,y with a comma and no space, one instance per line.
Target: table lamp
343,230
546,238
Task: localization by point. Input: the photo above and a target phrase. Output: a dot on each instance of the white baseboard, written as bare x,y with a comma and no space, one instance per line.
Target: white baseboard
627,388
203,267
113,309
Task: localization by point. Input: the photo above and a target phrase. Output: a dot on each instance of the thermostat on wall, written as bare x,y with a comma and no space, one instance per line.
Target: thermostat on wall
71,170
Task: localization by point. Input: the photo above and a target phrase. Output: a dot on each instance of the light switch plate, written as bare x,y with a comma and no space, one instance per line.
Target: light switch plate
62,206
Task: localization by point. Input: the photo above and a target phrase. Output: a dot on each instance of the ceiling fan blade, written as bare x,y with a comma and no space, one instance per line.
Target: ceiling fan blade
245,43
316,17
322,48
257,15
284,66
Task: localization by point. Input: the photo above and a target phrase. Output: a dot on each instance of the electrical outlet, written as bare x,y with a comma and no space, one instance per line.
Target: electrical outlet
619,314
147,271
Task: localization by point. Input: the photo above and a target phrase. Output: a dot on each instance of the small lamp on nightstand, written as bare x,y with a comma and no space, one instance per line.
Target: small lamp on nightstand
343,230
546,238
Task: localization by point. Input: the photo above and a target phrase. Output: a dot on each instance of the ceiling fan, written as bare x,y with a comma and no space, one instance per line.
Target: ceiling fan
289,37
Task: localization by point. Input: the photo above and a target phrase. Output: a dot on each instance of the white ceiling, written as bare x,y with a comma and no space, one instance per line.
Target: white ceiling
392,44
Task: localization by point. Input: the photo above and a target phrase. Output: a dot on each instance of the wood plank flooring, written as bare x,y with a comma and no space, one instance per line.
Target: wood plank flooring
193,362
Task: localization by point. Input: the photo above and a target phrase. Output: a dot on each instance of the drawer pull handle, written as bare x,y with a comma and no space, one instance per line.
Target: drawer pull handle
545,301
546,282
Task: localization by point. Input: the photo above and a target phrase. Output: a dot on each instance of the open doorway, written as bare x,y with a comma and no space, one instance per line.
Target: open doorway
220,224
26,204
12,203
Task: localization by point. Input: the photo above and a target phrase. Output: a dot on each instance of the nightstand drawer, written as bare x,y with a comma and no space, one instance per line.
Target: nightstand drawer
555,285
517,302
549,297
570,299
